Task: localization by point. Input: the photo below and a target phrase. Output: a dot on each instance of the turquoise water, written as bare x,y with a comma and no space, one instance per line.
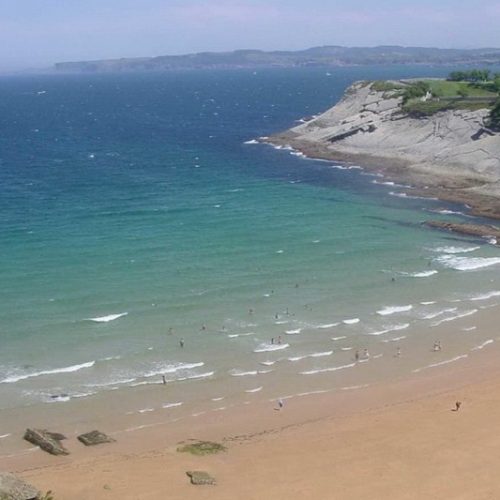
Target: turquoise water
133,215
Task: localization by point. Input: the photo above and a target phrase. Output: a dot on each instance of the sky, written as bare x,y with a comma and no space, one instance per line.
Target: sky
38,33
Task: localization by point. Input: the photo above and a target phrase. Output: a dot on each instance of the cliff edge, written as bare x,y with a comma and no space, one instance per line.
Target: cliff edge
451,154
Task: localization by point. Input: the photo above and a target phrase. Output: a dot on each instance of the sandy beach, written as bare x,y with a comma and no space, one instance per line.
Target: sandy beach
398,440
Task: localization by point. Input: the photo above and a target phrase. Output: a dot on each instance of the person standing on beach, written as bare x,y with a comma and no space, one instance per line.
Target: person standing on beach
356,355
164,380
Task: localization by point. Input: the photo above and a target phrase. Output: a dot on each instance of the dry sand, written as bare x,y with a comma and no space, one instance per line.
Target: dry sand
396,441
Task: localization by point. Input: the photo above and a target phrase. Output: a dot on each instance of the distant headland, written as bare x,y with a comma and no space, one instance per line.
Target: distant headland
326,56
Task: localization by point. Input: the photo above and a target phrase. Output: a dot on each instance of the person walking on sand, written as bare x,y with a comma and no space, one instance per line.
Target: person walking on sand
398,352
458,404
281,404
366,354
437,346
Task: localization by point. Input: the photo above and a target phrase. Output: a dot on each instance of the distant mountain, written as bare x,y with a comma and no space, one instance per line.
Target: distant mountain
317,56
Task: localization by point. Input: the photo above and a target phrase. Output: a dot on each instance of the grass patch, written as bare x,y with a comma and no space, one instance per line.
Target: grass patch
201,448
385,86
418,108
445,88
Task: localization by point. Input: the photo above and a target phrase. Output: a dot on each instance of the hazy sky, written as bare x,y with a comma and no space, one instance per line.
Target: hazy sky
41,32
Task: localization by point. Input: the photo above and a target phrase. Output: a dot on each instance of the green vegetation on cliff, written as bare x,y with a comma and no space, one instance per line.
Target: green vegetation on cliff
426,97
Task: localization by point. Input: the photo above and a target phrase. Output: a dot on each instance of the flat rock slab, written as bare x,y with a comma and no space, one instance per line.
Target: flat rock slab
94,437
199,477
14,488
47,441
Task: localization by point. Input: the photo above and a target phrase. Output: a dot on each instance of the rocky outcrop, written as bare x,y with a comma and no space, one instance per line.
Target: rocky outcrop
47,441
14,488
480,230
199,477
450,150
94,437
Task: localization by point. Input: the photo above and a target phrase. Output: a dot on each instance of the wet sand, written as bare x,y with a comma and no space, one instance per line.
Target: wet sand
396,440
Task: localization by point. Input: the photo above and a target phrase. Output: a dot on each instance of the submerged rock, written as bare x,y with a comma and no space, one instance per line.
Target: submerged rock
199,477
14,488
94,437
47,441
481,230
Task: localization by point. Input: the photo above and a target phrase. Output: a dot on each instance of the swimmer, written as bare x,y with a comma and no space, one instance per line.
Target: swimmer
181,342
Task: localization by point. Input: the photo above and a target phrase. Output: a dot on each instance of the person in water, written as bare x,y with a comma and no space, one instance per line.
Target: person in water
181,342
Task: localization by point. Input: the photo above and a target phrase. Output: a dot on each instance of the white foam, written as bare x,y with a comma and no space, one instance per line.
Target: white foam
386,311
339,338
423,274
314,355
218,399
447,212
452,360
394,339
3,436
164,370
240,373
271,347
469,328
428,303
354,387
346,348
198,376
327,325
453,318
393,328
352,321
352,167
172,405
293,332
267,363
483,345
236,335
454,250
439,313
325,370
486,296
400,194
257,389
252,141
108,318
467,263
311,393
67,369
146,410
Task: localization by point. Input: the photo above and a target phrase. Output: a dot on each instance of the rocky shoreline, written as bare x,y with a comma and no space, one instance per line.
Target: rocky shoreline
446,156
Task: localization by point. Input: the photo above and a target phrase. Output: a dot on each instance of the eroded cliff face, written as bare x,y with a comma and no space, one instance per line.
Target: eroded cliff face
452,147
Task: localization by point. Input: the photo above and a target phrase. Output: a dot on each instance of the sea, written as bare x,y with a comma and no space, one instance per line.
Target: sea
148,240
